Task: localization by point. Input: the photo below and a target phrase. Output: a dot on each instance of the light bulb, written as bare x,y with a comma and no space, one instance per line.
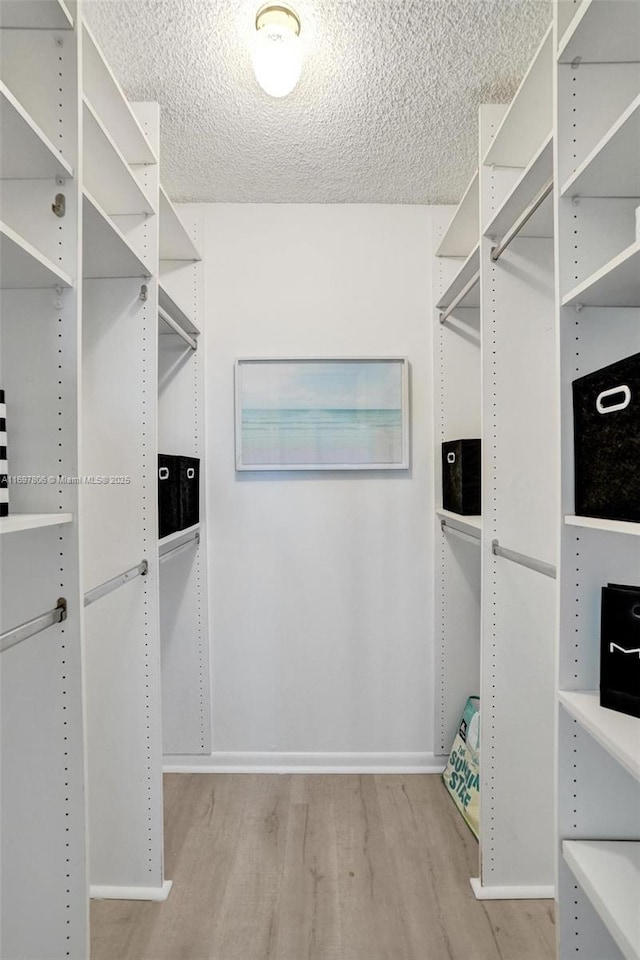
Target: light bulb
276,53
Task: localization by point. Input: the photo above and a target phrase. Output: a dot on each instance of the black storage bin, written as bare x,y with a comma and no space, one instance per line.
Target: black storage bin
189,491
606,420
168,494
461,476
620,649
4,469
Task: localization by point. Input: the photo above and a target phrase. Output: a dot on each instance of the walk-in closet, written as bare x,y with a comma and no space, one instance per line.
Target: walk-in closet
319,480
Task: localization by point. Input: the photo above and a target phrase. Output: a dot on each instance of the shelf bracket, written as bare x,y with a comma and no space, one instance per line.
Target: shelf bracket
59,205
144,293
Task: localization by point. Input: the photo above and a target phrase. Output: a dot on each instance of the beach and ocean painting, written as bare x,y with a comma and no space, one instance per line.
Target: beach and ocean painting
320,414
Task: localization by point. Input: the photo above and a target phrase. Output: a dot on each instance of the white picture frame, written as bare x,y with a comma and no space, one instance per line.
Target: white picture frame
317,413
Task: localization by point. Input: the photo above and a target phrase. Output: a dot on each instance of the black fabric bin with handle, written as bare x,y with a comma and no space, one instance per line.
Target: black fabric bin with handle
620,649
189,491
461,476
168,494
606,419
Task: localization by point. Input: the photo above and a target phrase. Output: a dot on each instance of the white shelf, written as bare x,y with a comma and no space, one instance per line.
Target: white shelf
530,114
467,271
24,267
470,524
175,242
618,733
169,304
598,523
27,153
617,284
106,251
178,535
609,873
35,14
462,233
525,189
603,31
111,105
612,169
32,521
107,172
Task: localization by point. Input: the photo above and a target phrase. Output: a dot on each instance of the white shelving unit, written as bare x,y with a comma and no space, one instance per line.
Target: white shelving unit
27,151
613,526
610,169
178,537
89,686
32,521
462,281
185,652
175,241
527,123
461,234
120,520
598,311
469,524
184,320
519,495
103,91
616,732
457,415
598,31
107,253
43,884
35,15
609,873
616,284
493,350
108,176
528,185
23,266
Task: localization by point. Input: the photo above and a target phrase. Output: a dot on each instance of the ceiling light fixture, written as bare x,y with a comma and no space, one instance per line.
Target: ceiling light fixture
276,53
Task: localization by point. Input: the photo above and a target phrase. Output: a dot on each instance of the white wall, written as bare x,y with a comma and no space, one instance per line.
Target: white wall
320,584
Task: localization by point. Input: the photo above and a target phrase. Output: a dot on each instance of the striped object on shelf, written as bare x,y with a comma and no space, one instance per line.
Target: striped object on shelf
4,488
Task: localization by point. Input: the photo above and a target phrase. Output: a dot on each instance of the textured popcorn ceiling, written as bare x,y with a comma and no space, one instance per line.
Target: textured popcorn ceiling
385,112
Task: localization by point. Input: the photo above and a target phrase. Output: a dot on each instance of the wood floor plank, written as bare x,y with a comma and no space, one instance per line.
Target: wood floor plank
247,919
413,871
371,907
309,905
318,868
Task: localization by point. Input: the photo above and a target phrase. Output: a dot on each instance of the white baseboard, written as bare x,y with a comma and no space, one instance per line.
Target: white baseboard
511,893
242,762
131,893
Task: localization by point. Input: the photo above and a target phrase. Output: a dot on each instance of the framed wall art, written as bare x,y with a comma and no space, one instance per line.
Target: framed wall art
317,414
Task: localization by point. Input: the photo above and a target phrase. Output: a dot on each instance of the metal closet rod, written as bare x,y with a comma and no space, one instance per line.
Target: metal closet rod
177,328
547,569
449,527
31,627
463,293
527,213
194,538
110,585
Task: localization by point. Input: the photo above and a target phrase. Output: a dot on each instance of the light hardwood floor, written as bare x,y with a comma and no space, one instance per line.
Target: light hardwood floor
318,868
